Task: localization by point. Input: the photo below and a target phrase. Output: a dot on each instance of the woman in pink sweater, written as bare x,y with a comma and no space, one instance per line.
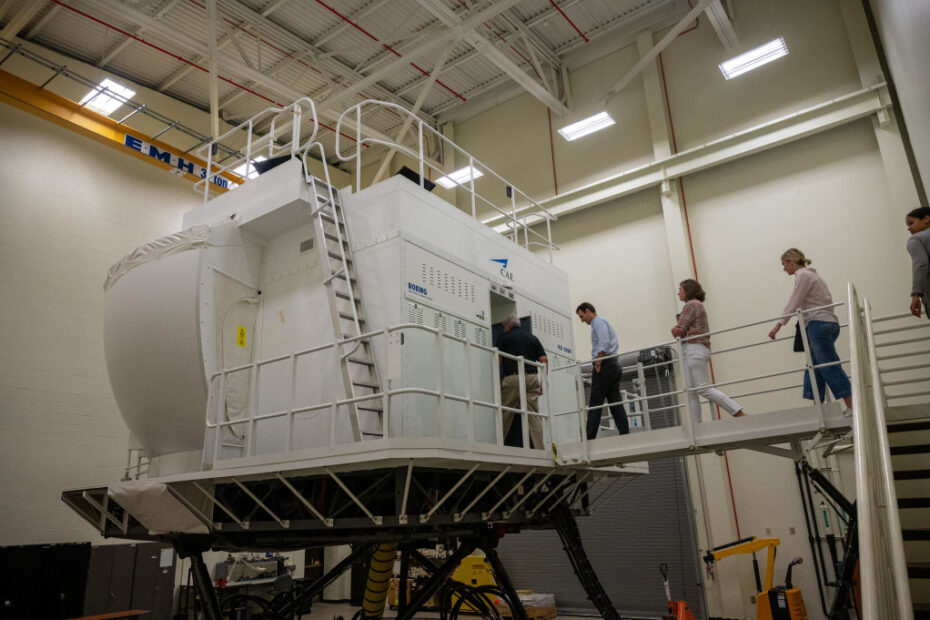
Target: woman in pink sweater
823,328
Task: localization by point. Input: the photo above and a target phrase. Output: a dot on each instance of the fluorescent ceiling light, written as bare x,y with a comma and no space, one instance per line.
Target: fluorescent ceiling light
754,58
106,101
459,177
586,125
247,170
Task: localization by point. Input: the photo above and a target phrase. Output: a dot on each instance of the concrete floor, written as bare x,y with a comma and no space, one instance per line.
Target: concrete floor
331,611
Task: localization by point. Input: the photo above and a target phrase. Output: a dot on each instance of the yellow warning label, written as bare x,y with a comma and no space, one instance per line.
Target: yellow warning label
240,336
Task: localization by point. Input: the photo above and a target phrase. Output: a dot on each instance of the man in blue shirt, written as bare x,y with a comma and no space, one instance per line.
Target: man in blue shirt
605,380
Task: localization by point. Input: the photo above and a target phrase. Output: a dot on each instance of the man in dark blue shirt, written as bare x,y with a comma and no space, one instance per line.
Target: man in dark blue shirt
518,342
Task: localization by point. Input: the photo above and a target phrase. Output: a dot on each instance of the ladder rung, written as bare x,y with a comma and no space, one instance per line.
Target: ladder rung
342,295
342,276
349,317
332,237
332,220
338,256
366,384
364,408
361,361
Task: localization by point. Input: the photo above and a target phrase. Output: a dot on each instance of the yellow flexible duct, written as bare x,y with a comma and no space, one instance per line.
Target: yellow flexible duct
379,578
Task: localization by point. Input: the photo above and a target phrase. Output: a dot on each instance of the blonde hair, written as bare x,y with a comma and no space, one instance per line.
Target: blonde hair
796,256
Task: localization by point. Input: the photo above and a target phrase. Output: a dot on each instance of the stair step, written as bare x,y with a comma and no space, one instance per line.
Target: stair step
906,427
922,448
912,474
914,502
918,570
921,533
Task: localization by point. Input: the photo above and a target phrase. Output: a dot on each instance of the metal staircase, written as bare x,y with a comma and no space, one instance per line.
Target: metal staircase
356,357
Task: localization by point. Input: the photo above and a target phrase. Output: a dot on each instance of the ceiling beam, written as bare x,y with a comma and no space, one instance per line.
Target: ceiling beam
649,56
196,47
436,43
114,51
21,18
496,56
720,22
42,23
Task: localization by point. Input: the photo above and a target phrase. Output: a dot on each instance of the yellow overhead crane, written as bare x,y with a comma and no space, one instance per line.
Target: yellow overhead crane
65,113
781,603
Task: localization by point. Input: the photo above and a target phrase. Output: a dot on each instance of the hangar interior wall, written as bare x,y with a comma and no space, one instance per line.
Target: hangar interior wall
70,208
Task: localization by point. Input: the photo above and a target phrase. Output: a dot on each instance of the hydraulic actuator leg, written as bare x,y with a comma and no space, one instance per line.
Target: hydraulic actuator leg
208,601
506,586
438,578
565,525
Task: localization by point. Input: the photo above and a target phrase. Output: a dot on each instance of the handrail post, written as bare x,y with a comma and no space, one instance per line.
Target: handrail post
811,372
524,407
358,149
441,376
643,393
220,406
295,130
513,216
499,412
385,389
253,409
420,144
471,184
288,438
548,437
582,412
470,406
549,236
685,417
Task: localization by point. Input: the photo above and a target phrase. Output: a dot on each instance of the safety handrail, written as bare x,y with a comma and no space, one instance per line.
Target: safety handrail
685,421
518,216
883,568
289,121
383,396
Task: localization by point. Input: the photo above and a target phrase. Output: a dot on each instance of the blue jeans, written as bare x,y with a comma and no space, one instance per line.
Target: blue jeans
821,335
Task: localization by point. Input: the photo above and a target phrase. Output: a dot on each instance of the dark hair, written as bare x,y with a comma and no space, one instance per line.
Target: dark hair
920,213
583,306
693,290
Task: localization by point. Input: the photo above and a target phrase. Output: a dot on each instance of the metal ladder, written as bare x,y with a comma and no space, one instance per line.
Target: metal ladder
356,358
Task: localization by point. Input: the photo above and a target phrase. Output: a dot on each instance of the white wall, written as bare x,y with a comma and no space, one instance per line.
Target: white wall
903,26
69,209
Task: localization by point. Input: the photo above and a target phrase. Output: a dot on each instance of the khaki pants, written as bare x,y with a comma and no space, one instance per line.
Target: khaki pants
510,397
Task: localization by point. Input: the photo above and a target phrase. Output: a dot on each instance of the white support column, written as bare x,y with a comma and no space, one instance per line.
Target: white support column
897,170
214,71
675,232
712,504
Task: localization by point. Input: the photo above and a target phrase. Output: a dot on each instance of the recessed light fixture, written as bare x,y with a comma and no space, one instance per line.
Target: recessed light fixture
459,177
106,101
586,125
754,58
247,170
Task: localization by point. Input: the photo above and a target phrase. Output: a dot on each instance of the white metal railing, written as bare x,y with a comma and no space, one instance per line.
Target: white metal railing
883,568
681,394
290,130
521,212
217,400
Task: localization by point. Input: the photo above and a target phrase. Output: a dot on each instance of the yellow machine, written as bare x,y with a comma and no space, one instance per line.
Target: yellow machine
475,570
779,603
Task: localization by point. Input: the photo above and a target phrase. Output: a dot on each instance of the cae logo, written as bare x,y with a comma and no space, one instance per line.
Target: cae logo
503,262
417,289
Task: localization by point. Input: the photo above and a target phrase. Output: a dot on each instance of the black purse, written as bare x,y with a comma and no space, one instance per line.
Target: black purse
798,340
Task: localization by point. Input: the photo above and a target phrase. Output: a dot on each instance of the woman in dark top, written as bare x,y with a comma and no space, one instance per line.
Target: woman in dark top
918,246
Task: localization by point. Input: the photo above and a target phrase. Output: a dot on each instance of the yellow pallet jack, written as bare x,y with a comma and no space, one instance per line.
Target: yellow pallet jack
779,603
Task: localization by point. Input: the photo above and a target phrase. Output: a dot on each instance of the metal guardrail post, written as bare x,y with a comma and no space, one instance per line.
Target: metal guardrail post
441,380
498,412
524,408
811,372
686,422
